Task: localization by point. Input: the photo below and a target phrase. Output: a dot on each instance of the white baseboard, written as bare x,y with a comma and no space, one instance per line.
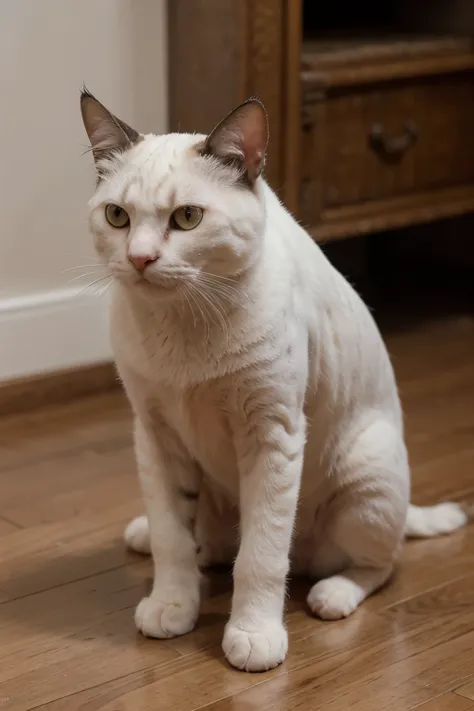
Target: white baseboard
51,331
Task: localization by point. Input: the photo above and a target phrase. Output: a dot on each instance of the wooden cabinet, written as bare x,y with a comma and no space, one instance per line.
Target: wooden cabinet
366,133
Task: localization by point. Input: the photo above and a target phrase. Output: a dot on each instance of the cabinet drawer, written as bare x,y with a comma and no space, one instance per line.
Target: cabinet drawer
362,144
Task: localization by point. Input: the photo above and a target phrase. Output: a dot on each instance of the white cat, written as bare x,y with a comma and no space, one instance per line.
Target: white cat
266,410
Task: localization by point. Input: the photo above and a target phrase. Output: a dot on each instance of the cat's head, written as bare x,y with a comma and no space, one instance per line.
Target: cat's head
177,208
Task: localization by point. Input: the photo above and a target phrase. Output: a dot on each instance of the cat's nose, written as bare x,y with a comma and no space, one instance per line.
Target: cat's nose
140,261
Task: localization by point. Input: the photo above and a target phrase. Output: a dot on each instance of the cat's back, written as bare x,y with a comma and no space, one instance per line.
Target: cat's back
347,357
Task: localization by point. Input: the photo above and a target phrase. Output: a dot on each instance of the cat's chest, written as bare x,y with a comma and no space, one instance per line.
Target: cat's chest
199,417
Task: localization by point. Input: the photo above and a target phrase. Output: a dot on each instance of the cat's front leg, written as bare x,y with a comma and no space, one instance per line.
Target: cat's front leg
170,484
255,638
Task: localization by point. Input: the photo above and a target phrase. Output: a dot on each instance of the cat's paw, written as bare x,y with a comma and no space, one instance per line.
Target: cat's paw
164,619
334,598
137,535
255,649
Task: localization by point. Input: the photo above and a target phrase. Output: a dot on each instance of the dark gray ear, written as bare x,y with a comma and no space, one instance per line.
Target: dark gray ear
241,138
107,133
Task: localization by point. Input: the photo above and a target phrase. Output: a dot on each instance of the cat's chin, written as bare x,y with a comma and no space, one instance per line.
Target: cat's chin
166,285
152,289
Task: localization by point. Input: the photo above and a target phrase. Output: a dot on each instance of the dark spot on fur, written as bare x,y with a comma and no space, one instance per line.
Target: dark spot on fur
188,494
232,163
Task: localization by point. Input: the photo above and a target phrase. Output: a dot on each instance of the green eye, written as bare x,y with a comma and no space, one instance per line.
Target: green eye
186,218
116,216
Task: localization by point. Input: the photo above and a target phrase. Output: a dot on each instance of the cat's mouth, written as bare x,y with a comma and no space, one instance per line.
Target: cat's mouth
163,279
168,278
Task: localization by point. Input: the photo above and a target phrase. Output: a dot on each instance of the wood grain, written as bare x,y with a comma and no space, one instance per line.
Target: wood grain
207,42
266,65
7,527
441,156
392,213
466,691
221,52
357,60
25,394
447,702
68,588
323,96
292,104
351,185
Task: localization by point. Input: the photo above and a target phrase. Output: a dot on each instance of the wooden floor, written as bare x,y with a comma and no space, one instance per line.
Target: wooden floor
68,588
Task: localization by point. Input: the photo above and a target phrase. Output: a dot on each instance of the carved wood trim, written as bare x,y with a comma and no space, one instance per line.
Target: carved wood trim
394,213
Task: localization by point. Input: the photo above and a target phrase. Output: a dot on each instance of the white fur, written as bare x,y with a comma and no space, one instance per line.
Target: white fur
429,521
137,535
258,378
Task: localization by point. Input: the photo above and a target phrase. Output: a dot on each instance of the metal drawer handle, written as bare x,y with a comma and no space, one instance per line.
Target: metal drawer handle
393,147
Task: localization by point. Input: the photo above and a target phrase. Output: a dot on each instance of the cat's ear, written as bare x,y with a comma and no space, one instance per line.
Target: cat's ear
241,138
107,133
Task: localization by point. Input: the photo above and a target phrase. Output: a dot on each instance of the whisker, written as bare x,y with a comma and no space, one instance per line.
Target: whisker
89,256
182,290
215,306
220,277
226,302
84,266
194,293
234,298
232,293
105,289
97,281
81,276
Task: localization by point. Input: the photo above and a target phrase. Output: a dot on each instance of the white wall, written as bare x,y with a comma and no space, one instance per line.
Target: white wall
48,48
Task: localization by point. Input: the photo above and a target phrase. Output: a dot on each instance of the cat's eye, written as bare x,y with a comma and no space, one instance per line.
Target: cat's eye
116,216
186,217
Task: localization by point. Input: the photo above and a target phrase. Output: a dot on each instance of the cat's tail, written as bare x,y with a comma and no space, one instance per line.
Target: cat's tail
430,521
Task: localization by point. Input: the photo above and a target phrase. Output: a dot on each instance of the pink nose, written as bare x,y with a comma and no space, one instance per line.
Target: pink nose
142,260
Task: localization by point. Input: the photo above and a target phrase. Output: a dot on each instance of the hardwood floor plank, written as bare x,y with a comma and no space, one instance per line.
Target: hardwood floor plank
105,649
389,676
425,565
50,555
204,677
7,527
467,691
85,482
69,461
326,660
27,394
74,636
95,424
397,687
447,702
